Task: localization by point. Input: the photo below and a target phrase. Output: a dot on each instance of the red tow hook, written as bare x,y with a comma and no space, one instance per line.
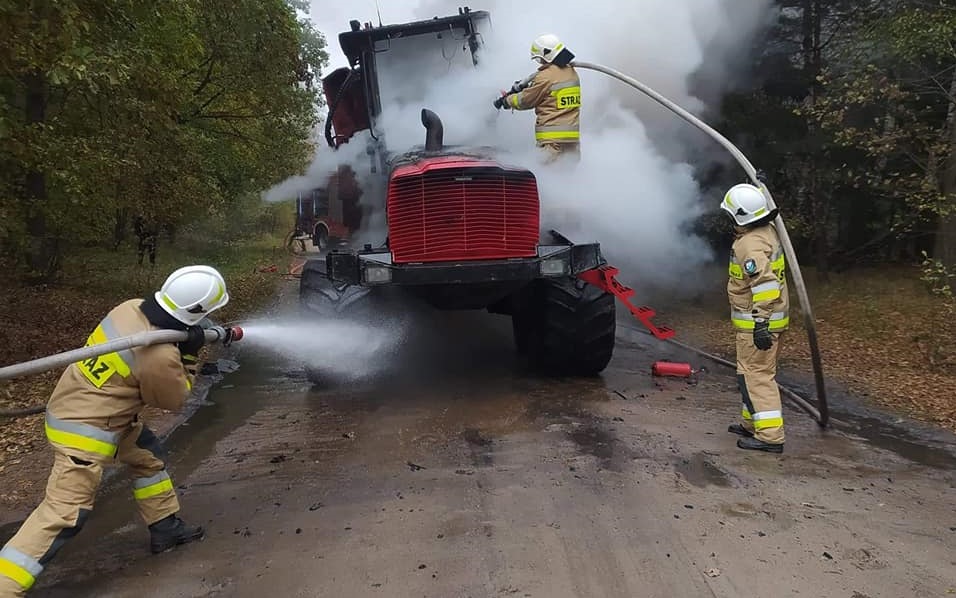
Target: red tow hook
603,278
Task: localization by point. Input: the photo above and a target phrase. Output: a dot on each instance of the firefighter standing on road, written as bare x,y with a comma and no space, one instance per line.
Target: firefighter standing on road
555,95
757,289
92,418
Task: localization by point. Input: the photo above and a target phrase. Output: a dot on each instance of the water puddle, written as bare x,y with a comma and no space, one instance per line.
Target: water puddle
921,443
899,438
699,471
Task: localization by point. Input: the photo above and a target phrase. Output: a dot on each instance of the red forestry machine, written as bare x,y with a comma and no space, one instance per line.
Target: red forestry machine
463,229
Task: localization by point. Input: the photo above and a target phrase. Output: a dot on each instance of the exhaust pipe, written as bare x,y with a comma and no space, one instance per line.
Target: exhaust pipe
433,130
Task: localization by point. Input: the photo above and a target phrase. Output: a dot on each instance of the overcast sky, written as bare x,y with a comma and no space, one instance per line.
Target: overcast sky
332,17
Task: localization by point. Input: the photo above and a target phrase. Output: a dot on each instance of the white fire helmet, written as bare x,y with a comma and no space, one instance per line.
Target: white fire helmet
745,203
192,293
546,47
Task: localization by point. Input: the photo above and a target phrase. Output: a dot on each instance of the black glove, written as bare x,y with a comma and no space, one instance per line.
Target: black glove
763,340
762,177
500,102
189,348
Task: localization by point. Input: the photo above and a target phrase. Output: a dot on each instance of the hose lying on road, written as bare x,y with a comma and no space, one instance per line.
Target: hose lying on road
822,414
800,401
214,334
22,412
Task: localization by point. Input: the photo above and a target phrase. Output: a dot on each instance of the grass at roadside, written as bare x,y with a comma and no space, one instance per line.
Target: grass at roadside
41,321
881,333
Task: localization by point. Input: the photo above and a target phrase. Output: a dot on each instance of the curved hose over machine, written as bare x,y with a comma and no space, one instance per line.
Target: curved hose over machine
822,412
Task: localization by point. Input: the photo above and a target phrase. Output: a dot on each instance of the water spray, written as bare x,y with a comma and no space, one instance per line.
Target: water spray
213,335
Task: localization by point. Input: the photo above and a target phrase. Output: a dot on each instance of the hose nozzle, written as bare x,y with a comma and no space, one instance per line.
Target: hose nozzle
226,336
234,333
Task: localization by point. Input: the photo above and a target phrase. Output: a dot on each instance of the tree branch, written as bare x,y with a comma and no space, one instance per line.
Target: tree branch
208,78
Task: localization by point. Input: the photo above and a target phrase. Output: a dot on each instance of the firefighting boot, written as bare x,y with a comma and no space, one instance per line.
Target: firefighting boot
753,444
739,430
172,531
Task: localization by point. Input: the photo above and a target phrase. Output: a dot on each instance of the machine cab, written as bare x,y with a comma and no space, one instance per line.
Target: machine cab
388,64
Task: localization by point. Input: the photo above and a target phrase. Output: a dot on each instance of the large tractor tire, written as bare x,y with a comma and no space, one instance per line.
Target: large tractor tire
568,329
319,297
320,238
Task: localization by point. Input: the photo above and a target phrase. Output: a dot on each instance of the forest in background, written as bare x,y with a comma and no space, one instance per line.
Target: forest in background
853,115
177,113
164,117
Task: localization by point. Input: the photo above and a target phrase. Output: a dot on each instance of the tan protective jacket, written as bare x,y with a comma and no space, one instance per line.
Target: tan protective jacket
555,95
757,283
96,400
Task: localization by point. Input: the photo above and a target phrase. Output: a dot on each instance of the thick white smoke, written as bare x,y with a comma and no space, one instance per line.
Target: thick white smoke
633,190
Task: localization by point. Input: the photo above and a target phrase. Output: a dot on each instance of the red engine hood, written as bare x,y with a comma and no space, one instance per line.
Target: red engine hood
430,164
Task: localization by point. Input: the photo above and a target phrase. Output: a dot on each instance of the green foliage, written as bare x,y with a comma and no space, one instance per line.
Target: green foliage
174,111
853,118
895,109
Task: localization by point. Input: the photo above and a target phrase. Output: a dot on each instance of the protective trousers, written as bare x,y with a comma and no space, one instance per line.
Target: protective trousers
70,491
561,151
757,380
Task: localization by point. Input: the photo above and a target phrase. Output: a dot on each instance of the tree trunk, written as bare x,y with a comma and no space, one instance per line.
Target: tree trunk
120,226
817,200
945,244
42,253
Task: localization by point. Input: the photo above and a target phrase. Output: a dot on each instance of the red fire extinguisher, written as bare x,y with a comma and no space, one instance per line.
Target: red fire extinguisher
670,368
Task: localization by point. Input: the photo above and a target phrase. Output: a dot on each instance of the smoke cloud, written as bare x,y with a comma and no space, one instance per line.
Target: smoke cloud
634,190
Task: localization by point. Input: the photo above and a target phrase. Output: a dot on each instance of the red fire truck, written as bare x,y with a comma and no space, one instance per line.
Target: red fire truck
327,216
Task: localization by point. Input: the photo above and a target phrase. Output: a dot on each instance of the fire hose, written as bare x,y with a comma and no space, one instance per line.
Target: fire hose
213,334
821,413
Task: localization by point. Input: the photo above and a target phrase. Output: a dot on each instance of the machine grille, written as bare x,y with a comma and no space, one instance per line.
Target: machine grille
463,213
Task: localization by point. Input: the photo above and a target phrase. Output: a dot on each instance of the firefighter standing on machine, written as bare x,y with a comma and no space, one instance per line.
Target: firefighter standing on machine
92,419
554,92
757,289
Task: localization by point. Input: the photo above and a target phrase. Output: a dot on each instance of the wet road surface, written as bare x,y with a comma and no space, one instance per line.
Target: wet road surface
458,474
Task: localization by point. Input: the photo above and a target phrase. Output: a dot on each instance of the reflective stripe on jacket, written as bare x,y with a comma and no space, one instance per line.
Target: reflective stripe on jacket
757,280
555,96
100,397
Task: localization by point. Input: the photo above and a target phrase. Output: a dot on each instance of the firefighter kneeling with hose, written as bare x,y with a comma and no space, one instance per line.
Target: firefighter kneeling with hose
92,419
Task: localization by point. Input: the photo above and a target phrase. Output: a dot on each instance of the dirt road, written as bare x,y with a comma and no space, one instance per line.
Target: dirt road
463,476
